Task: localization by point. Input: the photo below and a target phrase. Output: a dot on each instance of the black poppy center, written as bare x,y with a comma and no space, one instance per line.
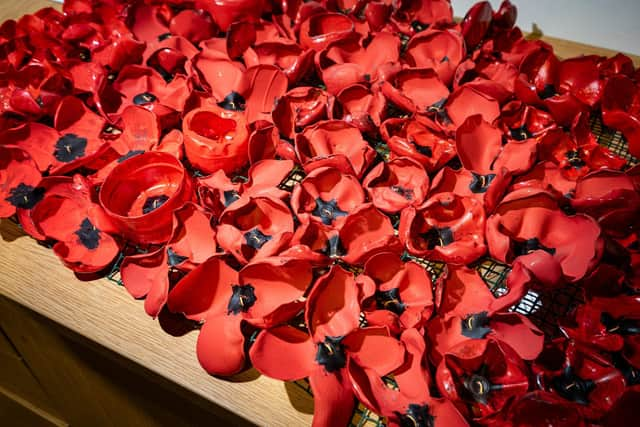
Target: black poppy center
480,183
256,238
230,196
327,211
144,98
25,196
574,159
572,387
333,247
530,245
438,237
476,325
440,112
424,150
407,193
153,203
548,91
479,387
164,36
174,259
520,134
621,325
70,147
331,354
234,101
390,300
631,374
88,234
417,416
242,299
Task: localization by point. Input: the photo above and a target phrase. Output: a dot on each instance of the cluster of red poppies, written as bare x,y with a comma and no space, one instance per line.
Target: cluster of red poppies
166,135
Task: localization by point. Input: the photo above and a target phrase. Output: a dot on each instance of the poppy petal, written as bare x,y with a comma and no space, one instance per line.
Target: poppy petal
147,275
220,345
284,353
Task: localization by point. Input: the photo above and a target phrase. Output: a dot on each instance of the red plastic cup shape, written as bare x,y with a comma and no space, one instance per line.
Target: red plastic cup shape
141,193
215,138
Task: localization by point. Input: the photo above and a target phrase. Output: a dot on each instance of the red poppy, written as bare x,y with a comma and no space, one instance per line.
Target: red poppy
481,377
215,138
440,50
74,141
81,228
334,143
141,193
350,61
476,23
263,293
301,107
624,408
326,195
528,225
416,90
287,55
254,228
465,102
321,29
170,57
365,232
522,121
417,140
265,85
335,354
361,106
225,12
194,25
446,228
469,310
402,288
423,12
611,198
397,184
539,408
19,179
621,109
579,375
546,176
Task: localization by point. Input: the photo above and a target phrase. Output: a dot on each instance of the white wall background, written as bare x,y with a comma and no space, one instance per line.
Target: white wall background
614,24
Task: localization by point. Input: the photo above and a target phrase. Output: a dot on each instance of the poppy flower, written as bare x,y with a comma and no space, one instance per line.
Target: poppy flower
264,293
529,226
254,228
505,17
417,140
140,194
170,56
623,409
521,121
215,138
611,198
82,230
465,102
302,106
620,109
546,176
476,24
192,242
446,228
19,179
361,106
334,352
217,191
326,195
481,377
194,25
403,289
214,69
397,184
225,12
334,143
365,232
74,141
424,13
539,408
265,85
469,310
350,61
579,375
377,14
321,29
416,90
440,50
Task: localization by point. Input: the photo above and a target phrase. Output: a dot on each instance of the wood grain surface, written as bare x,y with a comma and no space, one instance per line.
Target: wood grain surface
105,314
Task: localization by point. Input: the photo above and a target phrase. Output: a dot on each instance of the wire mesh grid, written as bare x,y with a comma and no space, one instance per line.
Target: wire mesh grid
544,308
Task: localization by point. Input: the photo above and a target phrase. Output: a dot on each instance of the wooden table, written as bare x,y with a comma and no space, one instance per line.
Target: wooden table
64,337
